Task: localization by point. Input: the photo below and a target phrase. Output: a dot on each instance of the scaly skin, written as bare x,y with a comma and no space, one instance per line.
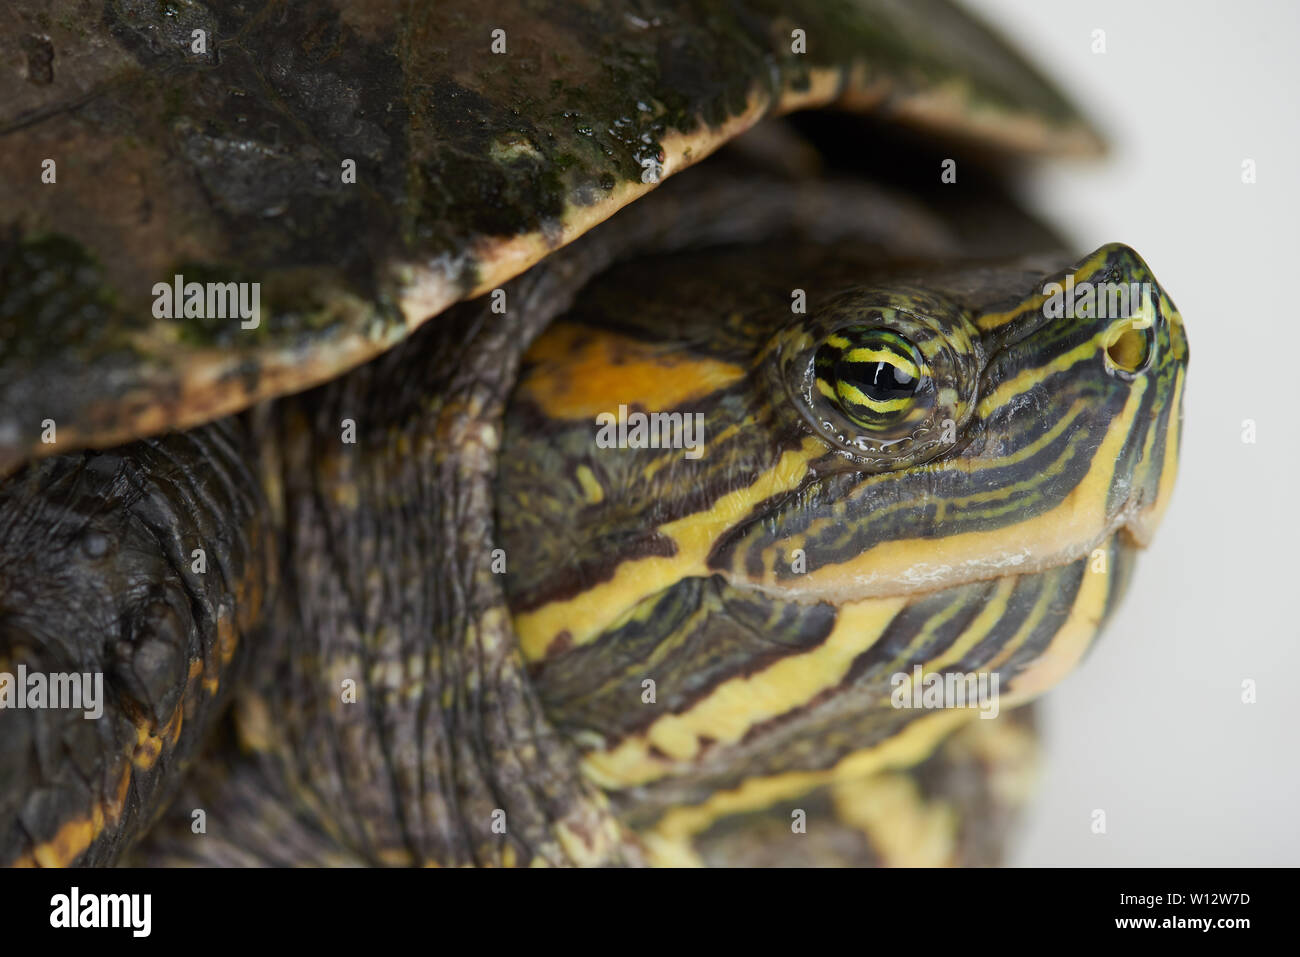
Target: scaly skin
99,575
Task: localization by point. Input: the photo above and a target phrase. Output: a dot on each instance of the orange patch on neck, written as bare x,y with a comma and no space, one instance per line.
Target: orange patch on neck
576,372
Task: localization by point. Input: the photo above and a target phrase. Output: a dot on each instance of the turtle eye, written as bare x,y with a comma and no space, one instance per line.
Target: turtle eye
886,377
870,375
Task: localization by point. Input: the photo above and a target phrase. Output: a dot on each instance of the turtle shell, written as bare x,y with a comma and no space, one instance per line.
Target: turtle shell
354,167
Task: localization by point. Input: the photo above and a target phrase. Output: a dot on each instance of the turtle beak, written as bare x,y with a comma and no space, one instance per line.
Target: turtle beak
1108,318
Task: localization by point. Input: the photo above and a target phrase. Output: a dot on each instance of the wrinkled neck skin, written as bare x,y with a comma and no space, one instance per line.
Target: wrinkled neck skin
396,707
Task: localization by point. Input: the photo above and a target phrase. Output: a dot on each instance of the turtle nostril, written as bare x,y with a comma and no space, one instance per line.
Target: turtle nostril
1129,349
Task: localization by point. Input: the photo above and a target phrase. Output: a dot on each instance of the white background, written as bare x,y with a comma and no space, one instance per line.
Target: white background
1151,728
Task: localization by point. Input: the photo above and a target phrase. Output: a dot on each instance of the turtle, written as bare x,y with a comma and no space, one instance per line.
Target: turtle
552,433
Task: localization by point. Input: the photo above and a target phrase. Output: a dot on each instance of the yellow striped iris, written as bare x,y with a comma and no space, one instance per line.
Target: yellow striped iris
871,374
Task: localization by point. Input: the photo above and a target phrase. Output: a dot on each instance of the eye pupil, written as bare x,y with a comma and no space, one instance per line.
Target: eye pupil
881,381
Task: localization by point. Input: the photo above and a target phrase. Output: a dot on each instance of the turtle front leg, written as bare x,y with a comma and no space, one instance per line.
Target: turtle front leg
130,580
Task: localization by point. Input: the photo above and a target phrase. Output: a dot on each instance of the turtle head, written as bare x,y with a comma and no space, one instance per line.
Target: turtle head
910,431
731,522
972,434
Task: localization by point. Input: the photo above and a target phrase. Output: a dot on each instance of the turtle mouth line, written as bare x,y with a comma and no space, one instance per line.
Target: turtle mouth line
1133,525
